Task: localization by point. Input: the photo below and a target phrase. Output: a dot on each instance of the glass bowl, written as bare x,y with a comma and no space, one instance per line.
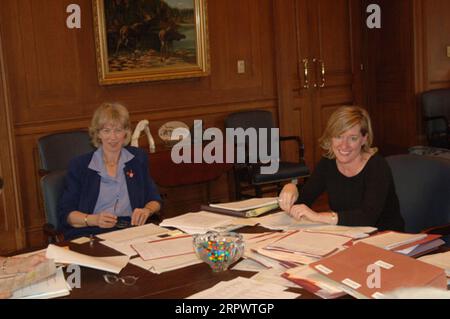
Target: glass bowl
219,249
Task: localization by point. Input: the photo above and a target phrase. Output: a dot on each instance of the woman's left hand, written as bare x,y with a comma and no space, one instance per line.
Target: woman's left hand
298,211
140,216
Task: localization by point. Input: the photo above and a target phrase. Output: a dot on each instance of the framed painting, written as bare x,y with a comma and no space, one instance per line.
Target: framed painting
150,40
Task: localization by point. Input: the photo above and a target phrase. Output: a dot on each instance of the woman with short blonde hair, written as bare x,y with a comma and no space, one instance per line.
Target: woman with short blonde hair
111,187
113,113
357,179
343,120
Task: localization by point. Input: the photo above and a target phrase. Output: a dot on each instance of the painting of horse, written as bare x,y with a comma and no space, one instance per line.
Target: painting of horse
140,40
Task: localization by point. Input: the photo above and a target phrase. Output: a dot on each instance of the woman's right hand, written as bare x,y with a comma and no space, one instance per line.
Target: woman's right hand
288,197
105,220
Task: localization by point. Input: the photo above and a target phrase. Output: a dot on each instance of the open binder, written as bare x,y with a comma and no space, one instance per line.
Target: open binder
243,213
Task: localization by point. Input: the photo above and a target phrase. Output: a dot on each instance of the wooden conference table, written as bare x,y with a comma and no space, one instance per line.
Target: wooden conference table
175,284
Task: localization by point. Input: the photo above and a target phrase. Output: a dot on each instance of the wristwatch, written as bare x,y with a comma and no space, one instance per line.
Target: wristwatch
334,218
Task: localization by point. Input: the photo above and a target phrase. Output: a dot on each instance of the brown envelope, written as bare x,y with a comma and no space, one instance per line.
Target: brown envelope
350,268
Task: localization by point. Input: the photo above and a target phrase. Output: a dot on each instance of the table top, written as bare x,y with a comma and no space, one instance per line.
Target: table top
176,284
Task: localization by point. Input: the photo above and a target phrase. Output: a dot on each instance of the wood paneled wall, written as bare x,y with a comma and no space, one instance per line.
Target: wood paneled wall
52,75
433,39
406,57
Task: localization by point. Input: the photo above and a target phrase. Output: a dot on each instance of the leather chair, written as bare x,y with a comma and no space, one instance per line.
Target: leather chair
55,152
422,184
436,113
248,175
52,186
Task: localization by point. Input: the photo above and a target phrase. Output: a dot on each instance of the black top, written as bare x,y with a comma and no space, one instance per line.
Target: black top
366,199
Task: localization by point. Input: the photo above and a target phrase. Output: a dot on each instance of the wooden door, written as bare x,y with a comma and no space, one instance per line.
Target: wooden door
335,53
327,30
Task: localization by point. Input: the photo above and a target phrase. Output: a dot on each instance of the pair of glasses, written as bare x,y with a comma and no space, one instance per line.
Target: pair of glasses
126,280
123,224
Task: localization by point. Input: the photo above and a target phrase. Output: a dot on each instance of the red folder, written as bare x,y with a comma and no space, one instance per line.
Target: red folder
350,268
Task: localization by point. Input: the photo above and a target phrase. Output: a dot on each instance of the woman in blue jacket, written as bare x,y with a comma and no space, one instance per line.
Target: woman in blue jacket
109,185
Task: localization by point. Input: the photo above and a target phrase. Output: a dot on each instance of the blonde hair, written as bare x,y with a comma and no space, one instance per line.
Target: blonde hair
343,119
106,113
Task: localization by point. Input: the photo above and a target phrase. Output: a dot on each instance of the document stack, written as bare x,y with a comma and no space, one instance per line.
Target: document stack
412,245
374,272
441,260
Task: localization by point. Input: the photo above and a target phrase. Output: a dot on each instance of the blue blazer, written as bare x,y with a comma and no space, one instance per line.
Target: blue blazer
82,188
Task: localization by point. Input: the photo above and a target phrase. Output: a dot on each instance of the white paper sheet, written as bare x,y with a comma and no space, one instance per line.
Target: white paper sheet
283,221
55,286
111,264
167,247
159,266
353,232
311,244
390,240
273,276
243,288
126,246
133,233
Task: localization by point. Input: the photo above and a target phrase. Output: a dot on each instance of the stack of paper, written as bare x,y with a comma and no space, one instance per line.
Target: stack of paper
166,254
133,233
246,208
243,288
111,264
202,222
441,260
391,240
314,282
126,248
352,232
254,242
421,247
367,271
283,221
162,265
42,271
53,287
166,247
309,244
273,276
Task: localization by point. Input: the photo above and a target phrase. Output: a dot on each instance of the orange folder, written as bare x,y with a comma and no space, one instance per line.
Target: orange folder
355,269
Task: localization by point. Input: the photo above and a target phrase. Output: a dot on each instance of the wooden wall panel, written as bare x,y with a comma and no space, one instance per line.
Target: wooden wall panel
437,38
53,80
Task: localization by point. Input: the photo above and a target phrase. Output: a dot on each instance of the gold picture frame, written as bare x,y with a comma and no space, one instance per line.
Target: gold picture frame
150,40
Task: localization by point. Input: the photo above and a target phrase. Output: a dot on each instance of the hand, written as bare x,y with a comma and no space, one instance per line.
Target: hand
140,216
298,211
105,220
288,197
